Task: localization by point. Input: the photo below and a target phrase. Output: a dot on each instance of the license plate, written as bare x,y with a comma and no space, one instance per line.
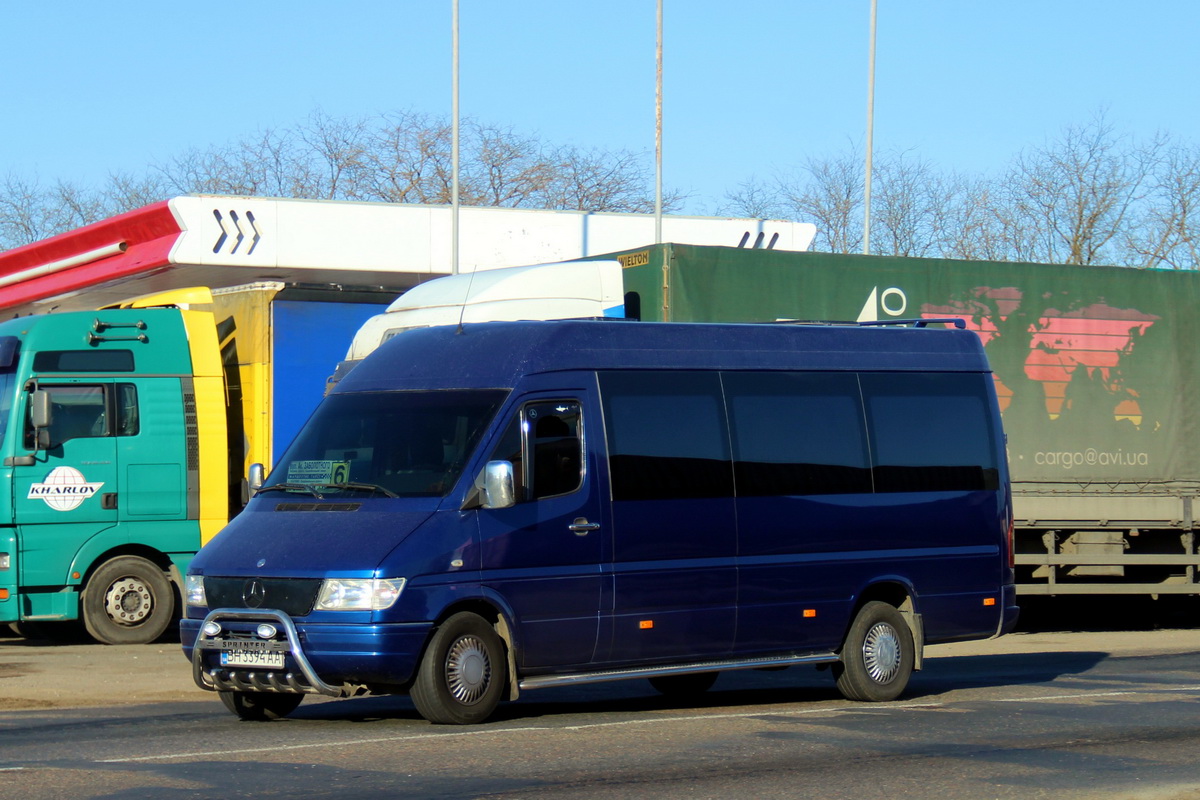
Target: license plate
251,658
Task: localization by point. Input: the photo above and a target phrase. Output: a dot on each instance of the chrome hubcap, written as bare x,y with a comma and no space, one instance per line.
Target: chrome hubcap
128,601
468,670
881,652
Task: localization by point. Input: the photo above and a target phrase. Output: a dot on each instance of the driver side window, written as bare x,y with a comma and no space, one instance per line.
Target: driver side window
79,411
544,443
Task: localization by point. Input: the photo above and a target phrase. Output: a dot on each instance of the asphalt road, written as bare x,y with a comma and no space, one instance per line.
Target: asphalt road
1079,715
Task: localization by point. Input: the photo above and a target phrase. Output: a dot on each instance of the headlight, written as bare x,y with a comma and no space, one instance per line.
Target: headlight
370,594
194,588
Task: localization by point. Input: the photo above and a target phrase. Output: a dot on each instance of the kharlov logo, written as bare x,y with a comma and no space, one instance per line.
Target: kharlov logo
64,489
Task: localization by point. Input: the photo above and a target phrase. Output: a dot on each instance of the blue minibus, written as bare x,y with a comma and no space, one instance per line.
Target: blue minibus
480,510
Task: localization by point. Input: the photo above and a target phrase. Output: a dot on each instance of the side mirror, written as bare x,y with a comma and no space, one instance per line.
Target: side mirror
41,416
498,485
255,480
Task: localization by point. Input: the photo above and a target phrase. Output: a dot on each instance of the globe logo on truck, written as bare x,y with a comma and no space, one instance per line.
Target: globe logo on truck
64,489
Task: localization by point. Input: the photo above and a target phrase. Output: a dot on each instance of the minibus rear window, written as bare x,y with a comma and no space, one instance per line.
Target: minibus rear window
931,432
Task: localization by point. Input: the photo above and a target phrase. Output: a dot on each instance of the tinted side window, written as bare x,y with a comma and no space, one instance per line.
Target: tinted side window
797,434
667,436
930,432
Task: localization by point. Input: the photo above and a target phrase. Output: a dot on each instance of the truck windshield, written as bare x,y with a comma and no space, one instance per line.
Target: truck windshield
7,388
406,444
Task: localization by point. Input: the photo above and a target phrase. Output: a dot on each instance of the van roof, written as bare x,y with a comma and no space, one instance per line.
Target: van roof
498,354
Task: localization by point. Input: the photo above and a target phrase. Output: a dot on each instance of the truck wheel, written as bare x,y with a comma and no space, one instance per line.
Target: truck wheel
462,674
681,686
877,656
260,706
128,600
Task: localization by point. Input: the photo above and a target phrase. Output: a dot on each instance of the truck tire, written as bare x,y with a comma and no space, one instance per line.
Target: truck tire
128,600
463,673
877,656
260,706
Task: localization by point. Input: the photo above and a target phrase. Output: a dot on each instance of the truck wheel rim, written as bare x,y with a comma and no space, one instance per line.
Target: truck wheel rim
468,670
128,601
881,652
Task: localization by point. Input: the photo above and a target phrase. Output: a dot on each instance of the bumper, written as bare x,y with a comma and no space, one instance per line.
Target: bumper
338,660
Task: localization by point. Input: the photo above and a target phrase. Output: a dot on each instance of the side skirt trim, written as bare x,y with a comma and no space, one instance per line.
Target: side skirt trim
577,678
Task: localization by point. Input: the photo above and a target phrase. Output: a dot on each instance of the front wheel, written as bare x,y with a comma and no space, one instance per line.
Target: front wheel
463,672
877,657
128,600
260,706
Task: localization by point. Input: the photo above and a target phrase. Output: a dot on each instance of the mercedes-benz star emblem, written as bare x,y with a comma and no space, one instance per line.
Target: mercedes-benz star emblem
254,593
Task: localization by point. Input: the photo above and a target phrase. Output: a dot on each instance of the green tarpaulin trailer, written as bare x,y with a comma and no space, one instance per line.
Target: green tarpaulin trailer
1095,367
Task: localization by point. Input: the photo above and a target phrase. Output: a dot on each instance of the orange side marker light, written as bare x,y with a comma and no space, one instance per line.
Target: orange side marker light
646,624
989,601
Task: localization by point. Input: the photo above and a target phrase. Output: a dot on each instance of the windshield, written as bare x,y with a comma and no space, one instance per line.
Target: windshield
406,444
7,387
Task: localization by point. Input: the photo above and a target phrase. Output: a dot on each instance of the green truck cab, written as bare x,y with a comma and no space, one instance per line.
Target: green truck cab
114,465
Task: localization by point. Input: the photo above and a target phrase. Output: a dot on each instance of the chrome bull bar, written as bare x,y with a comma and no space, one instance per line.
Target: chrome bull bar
233,679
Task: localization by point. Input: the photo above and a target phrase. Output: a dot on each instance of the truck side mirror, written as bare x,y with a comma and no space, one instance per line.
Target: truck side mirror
41,416
498,485
255,480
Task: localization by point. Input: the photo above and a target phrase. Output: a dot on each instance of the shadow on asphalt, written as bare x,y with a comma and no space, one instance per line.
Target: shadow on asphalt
941,674
741,689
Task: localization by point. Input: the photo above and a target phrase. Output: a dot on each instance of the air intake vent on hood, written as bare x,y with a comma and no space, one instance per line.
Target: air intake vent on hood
318,506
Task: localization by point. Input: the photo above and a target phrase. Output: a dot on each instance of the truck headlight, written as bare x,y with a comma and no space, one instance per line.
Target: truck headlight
349,594
194,588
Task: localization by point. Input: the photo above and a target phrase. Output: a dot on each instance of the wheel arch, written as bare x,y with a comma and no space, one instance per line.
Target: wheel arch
500,618
156,557
900,594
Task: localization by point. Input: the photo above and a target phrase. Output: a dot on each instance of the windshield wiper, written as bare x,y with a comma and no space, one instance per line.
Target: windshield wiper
294,487
359,487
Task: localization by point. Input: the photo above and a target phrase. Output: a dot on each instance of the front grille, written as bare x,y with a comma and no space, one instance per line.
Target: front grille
293,596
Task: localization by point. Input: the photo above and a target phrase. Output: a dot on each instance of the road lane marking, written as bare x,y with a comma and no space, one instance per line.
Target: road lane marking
857,709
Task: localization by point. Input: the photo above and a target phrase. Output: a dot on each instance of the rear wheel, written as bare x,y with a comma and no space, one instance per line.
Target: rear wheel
463,672
682,686
878,654
260,706
128,600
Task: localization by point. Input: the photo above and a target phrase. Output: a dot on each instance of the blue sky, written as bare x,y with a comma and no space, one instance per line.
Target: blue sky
752,88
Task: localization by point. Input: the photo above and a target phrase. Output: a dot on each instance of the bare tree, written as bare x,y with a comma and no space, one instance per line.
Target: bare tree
829,193
337,149
25,215
1078,192
126,192
912,206
408,159
1167,233
507,169
599,180
753,198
